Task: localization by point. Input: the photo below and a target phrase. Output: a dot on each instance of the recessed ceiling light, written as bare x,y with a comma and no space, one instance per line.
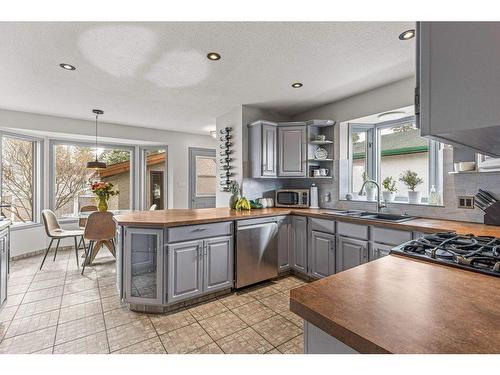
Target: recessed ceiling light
67,66
407,35
213,56
297,85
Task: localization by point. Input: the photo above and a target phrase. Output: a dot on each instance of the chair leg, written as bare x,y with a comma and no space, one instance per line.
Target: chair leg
87,253
80,243
48,249
57,247
76,251
84,246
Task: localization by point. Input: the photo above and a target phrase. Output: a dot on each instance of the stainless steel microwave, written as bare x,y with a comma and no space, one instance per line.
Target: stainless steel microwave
298,198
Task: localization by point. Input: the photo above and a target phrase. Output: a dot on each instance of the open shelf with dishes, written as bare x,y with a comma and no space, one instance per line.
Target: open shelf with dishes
320,148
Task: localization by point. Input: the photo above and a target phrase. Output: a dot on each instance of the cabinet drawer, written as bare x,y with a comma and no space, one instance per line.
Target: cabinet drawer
193,232
322,225
390,236
352,230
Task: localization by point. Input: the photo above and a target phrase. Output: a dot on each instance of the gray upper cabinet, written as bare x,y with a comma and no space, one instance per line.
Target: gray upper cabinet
458,82
218,264
350,253
322,254
263,148
299,243
379,250
185,270
292,151
284,242
144,265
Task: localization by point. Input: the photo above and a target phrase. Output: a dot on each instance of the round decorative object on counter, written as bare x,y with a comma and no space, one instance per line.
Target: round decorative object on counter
320,153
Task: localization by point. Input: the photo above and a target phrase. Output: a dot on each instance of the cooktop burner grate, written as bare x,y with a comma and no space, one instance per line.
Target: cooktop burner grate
481,254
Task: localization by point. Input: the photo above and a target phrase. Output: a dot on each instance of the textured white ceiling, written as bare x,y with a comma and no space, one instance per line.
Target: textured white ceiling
156,74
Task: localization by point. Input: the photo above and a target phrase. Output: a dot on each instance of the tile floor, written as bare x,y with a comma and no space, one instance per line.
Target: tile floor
58,311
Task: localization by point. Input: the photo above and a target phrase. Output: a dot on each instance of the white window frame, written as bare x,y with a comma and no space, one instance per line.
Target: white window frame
38,163
373,156
143,169
52,171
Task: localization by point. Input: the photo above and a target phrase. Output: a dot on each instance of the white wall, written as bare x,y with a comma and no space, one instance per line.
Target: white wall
27,240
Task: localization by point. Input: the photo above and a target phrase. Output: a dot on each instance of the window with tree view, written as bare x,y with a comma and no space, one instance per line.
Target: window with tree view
72,179
19,179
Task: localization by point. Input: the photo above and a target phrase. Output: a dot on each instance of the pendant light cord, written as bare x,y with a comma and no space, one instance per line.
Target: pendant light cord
96,115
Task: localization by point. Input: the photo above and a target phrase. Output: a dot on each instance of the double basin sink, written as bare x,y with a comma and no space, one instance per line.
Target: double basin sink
395,218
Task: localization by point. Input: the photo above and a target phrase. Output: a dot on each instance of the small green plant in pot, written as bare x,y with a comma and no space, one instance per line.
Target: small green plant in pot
411,180
390,189
369,188
234,188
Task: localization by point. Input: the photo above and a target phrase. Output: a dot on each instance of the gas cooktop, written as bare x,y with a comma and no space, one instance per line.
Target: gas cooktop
479,254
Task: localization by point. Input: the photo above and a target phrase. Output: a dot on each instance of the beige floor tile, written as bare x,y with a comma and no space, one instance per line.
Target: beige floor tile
30,342
13,281
111,303
151,346
80,297
253,312
22,272
277,330
32,323
3,328
44,284
80,286
79,328
132,333
82,310
42,294
48,275
246,341
212,348
222,325
14,300
207,309
185,339
236,299
261,291
107,281
38,307
273,351
93,344
118,317
287,283
277,302
294,318
76,275
45,351
8,313
294,346
108,290
17,289
170,322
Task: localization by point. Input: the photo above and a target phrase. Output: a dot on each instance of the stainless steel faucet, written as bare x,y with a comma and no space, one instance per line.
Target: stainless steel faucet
380,205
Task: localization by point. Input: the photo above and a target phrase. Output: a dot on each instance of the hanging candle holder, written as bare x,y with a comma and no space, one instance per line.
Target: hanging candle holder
225,158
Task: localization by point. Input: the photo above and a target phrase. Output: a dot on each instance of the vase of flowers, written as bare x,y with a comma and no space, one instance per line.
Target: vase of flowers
234,188
103,191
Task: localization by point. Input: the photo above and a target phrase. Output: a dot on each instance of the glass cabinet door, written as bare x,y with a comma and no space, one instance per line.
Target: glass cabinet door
143,251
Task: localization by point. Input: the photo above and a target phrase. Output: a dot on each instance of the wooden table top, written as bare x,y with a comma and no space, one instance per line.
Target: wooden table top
401,305
178,217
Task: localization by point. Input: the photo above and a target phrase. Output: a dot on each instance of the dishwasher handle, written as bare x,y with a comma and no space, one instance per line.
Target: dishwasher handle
254,226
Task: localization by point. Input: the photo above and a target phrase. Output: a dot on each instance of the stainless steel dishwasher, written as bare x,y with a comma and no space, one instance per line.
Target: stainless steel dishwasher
256,250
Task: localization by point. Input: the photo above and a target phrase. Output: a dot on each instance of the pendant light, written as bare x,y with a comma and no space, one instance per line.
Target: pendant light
96,164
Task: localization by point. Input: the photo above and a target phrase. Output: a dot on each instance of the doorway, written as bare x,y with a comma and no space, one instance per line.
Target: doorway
202,177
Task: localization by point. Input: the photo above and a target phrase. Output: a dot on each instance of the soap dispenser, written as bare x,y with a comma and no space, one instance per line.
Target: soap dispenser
313,192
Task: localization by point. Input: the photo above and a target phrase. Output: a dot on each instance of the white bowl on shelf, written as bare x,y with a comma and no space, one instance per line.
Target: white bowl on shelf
466,166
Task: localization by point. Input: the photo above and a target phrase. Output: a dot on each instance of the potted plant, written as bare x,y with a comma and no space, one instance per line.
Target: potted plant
390,189
103,191
234,188
369,188
411,180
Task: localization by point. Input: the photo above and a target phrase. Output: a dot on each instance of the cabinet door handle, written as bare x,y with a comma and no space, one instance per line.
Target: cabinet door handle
199,229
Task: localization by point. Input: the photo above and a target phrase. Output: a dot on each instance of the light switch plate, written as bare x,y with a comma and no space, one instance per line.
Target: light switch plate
466,201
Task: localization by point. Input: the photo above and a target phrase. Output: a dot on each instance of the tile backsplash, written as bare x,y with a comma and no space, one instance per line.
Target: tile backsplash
454,185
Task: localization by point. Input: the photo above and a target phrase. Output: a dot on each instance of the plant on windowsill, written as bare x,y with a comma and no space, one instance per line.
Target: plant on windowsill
369,188
411,180
103,191
389,193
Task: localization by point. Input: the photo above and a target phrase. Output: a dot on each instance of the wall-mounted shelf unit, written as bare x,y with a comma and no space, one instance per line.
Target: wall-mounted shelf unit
320,134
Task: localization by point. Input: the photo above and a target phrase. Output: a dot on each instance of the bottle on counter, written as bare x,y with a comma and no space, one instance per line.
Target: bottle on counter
434,197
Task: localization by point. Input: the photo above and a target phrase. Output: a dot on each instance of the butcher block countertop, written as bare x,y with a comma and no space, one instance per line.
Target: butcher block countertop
401,305
178,217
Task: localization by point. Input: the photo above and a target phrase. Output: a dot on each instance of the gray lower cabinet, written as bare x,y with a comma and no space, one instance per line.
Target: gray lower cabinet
292,151
143,261
379,250
199,267
284,249
299,243
322,254
4,264
350,253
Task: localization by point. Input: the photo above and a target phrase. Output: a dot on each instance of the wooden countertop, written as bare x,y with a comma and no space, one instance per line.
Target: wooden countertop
178,217
401,305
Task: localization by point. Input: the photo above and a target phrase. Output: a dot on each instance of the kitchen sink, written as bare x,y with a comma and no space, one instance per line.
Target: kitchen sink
372,215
